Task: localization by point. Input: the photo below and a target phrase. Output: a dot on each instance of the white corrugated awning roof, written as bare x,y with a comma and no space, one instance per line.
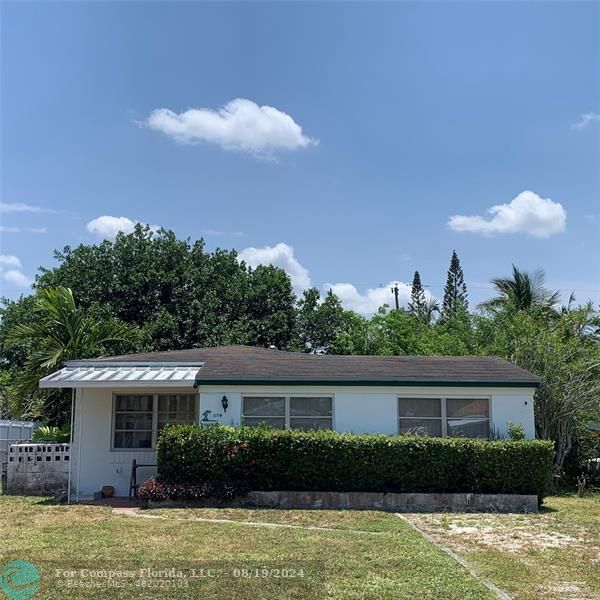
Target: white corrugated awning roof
78,374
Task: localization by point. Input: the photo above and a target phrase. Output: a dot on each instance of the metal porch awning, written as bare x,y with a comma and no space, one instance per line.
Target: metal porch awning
76,375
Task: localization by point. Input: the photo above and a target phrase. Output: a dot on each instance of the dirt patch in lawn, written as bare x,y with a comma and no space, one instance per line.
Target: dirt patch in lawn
508,533
554,554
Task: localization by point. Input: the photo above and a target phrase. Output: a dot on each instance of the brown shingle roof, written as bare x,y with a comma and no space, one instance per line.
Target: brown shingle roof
247,364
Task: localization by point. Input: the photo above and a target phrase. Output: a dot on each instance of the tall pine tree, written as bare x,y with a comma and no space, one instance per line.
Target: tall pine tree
455,292
417,301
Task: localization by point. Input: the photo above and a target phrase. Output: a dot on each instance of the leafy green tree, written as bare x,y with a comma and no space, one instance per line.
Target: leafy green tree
61,332
270,307
455,292
5,378
177,293
564,352
355,335
389,332
522,291
318,322
13,356
417,302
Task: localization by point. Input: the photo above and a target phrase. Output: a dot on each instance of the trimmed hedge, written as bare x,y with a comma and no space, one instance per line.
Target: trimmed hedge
265,459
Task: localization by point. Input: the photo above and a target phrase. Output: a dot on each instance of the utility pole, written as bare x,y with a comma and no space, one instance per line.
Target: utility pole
395,292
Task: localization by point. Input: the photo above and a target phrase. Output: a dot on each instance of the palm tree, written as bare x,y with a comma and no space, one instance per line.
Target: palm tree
59,331
431,307
522,291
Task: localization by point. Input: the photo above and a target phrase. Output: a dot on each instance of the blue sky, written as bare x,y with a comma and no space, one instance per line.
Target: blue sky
399,117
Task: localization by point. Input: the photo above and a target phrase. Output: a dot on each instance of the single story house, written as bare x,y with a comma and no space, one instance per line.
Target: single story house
122,402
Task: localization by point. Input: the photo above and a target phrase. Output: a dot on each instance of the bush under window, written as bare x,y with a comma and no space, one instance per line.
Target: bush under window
293,460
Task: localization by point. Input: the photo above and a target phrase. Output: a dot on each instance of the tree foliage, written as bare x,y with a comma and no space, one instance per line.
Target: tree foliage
522,291
60,332
455,292
417,303
177,293
318,322
564,351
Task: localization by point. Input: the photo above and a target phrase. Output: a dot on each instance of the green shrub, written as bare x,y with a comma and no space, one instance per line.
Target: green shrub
516,431
293,460
49,433
586,447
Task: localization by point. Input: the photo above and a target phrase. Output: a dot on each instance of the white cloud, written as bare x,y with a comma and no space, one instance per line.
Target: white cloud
280,255
218,232
372,299
240,125
585,120
5,229
10,270
107,227
20,207
527,213
17,278
9,261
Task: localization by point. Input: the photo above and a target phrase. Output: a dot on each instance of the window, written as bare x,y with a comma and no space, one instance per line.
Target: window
133,421
270,411
441,417
138,418
310,413
468,417
421,415
285,412
176,409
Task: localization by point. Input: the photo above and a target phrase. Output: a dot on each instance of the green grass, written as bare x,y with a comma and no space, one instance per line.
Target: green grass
551,555
348,520
369,555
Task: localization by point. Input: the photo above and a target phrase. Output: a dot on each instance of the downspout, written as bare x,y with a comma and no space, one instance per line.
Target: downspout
79,443
71,444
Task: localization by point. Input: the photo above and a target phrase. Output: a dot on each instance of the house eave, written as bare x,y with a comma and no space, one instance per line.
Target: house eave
76,374
116,384
368,383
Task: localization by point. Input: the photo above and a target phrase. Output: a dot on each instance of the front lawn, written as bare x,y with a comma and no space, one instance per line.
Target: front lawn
304,554
356,554
551,555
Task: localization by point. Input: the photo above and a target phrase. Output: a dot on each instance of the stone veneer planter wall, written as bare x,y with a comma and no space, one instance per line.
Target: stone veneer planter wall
505,503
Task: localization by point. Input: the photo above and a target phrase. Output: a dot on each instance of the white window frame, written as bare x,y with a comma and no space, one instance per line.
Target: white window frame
155,396
287,411
443,398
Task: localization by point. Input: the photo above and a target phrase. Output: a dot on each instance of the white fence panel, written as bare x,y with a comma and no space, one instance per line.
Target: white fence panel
14,431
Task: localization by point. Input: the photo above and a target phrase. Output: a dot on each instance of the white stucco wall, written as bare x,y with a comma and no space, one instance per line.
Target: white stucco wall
374,409
94,464
355,409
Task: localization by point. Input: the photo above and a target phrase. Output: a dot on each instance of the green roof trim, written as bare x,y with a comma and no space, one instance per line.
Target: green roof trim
378,383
